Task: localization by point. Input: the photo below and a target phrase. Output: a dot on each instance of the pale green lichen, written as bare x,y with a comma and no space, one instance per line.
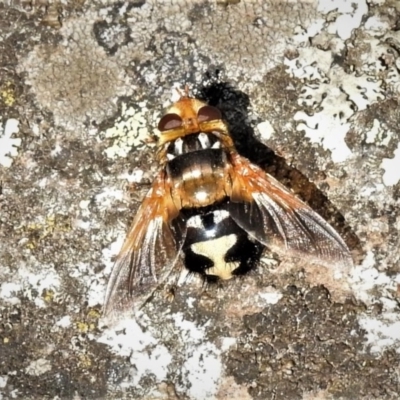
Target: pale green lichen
129,131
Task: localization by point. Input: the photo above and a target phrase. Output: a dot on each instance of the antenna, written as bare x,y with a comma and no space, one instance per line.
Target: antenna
185,92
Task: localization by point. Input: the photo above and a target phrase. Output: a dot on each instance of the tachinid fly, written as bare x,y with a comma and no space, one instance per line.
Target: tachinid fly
213,212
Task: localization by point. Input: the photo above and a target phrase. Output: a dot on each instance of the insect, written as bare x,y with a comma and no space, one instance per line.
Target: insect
212,211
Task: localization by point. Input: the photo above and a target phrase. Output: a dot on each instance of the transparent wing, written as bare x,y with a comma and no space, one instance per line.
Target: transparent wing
149,254
271,214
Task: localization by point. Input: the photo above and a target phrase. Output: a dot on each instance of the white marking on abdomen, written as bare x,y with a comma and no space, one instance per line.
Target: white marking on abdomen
220,215
215,250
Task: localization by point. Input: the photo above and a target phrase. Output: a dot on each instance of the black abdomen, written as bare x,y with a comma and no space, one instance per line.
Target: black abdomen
215,246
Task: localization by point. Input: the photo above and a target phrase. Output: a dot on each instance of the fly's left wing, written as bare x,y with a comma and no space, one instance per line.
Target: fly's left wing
267,211
149,253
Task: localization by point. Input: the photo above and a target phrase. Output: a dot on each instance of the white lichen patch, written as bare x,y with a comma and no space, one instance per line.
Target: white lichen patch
371,189
108,197
375,56
362,91
64,322
9,291
8,144
112,250
392,168
3,382
382,332
46,280
266,130
379,25
93,282
372,286
129,131
135,177
365,279
270,296
30,284
311,64
378,134
96,282
347,15
302,35
38,367
393,79
146,354
200,363
202,371
202,368
334,96
390,40
327,128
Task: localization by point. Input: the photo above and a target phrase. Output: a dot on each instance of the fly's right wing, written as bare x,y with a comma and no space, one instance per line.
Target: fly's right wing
149,254
267,211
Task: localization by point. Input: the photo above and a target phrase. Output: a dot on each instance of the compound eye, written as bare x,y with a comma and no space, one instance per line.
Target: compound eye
208,113
169,121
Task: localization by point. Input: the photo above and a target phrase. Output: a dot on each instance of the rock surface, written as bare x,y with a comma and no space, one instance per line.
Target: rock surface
82,85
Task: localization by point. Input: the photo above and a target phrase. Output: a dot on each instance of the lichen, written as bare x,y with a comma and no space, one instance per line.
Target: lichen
76,80
320,81
8,144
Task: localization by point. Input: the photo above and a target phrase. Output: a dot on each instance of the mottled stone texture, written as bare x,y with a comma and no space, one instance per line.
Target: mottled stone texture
82,85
